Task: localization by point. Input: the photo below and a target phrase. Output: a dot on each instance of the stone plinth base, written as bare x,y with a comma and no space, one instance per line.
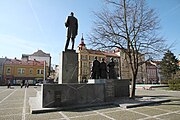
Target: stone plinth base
61,95
113,87
68,95
68,68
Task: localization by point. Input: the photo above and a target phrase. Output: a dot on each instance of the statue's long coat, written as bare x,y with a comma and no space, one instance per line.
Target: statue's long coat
103,70
72,24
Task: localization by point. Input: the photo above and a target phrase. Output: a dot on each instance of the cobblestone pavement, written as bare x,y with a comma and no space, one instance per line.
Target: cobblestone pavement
14,106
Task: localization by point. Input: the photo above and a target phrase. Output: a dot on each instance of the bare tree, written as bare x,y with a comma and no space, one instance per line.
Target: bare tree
130,26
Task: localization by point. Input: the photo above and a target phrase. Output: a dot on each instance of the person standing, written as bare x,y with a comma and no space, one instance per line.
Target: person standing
72,31
26,84
9,84
22,83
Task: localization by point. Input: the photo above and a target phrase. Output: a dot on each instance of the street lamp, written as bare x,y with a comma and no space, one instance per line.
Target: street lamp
44,81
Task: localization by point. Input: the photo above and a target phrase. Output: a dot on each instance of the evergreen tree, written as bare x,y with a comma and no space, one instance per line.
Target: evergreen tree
169,65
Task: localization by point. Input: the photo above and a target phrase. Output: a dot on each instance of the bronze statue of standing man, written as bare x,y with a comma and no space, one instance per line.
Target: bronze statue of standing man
72,31
95,69
112,73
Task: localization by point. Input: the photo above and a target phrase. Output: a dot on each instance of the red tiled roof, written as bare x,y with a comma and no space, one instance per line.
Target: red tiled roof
156,62
97,52
179,63
21,62
111,54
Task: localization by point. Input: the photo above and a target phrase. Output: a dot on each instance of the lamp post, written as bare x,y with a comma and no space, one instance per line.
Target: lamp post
44,80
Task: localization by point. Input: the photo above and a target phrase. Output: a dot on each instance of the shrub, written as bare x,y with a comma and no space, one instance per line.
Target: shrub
164,81
174,84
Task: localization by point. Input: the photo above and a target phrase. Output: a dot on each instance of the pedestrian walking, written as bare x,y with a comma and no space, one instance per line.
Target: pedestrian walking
9,84
26,84
22,83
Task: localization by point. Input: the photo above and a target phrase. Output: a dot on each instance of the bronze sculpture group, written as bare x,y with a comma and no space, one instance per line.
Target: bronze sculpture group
99,70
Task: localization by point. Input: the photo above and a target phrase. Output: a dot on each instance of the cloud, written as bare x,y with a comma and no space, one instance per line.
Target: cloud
10,42
36,17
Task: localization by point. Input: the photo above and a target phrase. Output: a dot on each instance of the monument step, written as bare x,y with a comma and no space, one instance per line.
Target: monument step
38,110
131,103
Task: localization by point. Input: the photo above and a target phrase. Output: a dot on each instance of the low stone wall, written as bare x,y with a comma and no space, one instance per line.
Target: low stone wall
72,94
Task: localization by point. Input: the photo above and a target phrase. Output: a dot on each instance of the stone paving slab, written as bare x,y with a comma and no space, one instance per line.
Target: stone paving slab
9,105
92,117
172,116
35,109
125,115
168,107
164,111
78,112
104,109
130,103
11,117
150,111
47,116
11,111
123,103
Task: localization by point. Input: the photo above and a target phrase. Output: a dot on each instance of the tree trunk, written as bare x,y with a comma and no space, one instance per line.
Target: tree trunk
133,87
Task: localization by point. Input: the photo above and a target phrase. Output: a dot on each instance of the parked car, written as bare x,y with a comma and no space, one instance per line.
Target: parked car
38,84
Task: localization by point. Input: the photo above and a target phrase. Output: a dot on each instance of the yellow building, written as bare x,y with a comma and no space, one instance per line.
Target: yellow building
122,67
18,70
126,70
86,57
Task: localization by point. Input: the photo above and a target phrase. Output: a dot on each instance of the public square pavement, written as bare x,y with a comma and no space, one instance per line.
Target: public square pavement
14,106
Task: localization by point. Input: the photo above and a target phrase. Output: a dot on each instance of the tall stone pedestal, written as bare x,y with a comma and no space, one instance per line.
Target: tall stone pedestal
68,68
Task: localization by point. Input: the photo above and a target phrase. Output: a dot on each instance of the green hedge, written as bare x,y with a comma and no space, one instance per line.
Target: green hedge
174,84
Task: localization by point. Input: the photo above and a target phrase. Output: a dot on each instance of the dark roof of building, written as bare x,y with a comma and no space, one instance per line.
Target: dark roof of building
40,53
2,60
25,55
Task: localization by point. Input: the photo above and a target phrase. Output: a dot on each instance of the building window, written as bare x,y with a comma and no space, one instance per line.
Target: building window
85,65
40,71
21,70
84,57
8,70
31,71
85,72
91,58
